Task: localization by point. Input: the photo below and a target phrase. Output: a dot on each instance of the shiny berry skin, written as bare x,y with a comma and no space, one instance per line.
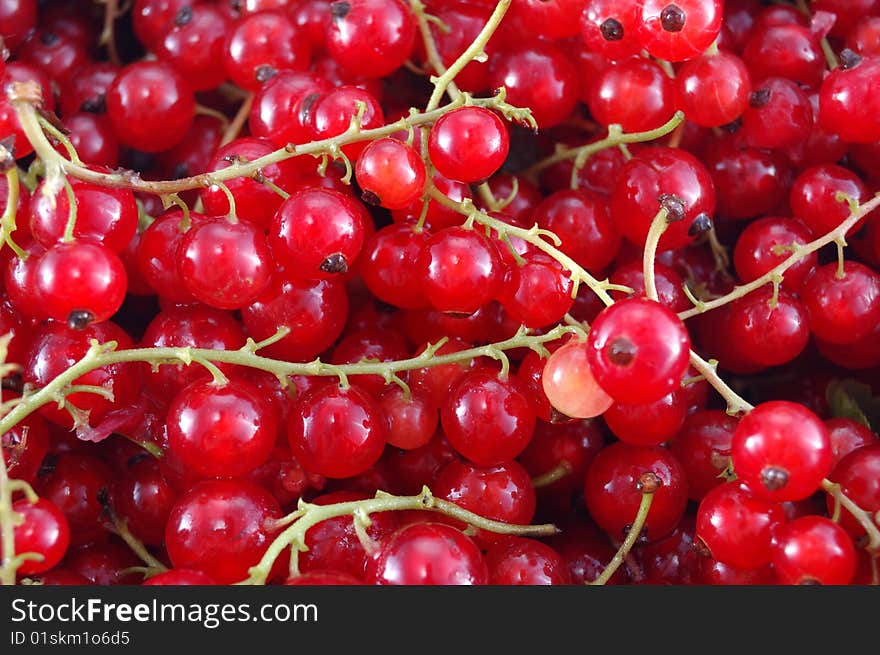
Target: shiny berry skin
333,544
538,292
225,265
813,196
438,216
56,347
465,20
521,561
220,431
634,93
813,550
43,530
80,282
501,493
612,490
390,173
538,76
702,446
570,385
779,114
610,28
17,19
428,554
221,528
152,18
313,310
848,435
386,265
282,107
713,89
24,447
263,44
468,144
332,113
9,125
848,105
782,451
143,499
843,309
571,445
763,245
460,270
254,201
370,343
486,418
337,433
75,484
198,327
669,284
318,233
737,527
323,578
748,182
582,220
371,37
93,138
157,255
679,30
791,51
858,475
412,421
104,563
179,577
638,350
150,106
770,335
636,197
648,424
87,90
195,45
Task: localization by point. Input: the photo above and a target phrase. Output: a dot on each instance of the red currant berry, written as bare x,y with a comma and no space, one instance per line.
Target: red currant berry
782,451
612,490
638,350
460,270
679,30
221,528
737,527
428,554
813,550
488,419
150,105
390,173
468,144
569,383
371,37
336,432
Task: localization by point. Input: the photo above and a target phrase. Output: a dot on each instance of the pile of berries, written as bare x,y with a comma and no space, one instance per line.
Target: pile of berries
440,292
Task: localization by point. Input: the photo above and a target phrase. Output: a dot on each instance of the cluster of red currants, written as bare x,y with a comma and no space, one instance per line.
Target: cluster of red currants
254,271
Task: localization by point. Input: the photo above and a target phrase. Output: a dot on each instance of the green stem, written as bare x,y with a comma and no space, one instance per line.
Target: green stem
100,355
471,52
798,253
630,541
534,236
865,519
658,227
615,137
7,222
67,237
309,515
25,97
